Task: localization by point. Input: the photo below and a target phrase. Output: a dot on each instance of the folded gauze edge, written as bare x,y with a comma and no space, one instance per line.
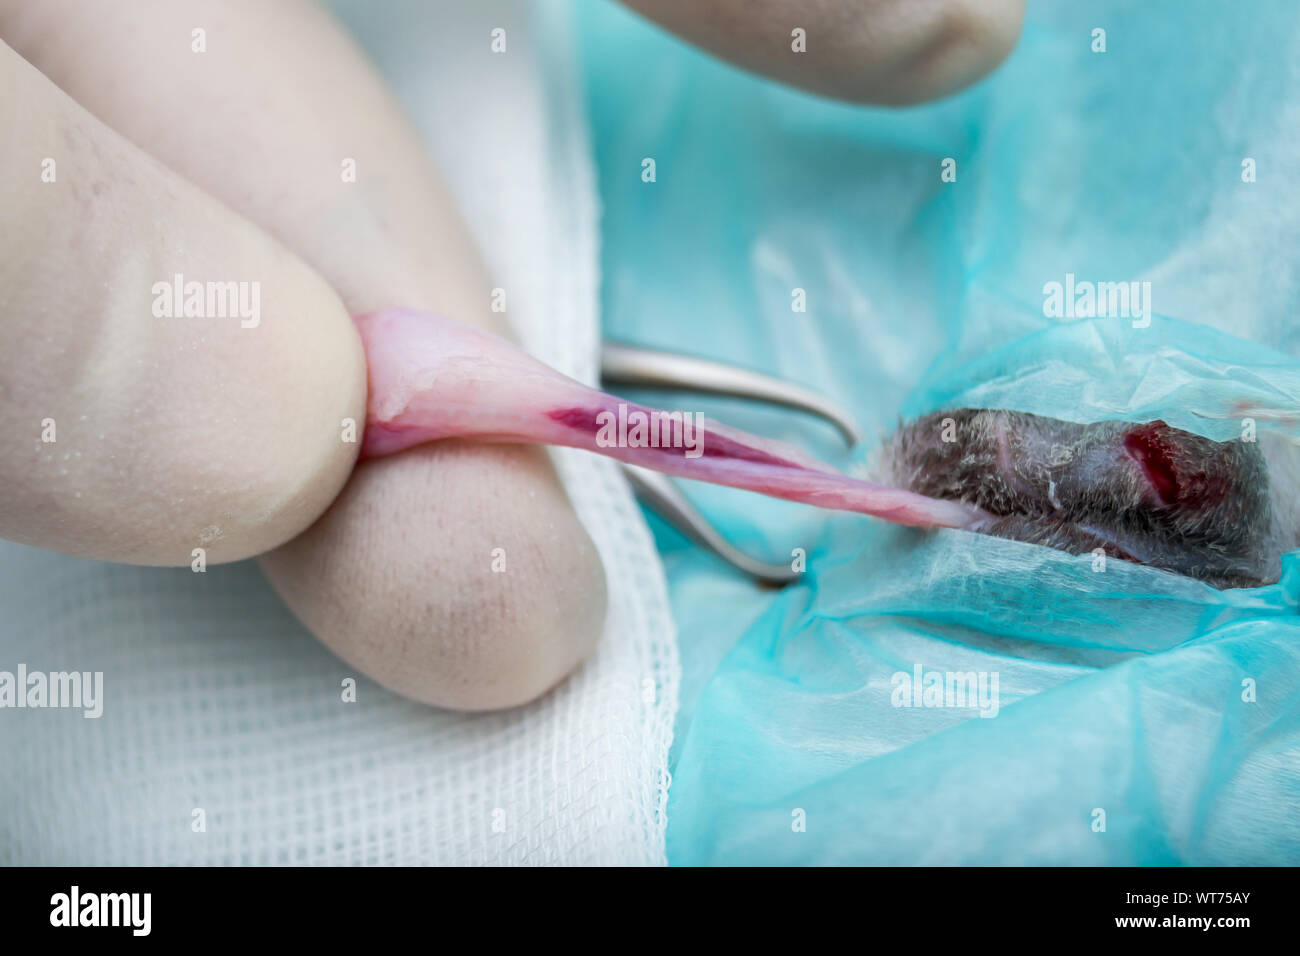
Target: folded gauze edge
219,707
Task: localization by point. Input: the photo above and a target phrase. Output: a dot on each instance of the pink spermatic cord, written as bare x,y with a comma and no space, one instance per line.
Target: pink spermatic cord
433,378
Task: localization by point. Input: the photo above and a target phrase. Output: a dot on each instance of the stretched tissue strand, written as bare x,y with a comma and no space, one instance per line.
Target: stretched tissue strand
433,378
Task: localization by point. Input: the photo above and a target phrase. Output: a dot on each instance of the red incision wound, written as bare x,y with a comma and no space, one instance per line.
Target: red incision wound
1154,446
1150,448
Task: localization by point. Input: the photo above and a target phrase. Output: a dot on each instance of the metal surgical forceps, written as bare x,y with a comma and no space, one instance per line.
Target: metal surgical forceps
637,367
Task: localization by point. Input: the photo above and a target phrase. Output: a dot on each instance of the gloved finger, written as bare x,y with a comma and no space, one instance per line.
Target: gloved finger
270,108
873,51
267,119
139,426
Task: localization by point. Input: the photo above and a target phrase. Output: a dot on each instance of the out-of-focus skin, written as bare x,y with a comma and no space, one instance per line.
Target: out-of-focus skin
397,576
891,52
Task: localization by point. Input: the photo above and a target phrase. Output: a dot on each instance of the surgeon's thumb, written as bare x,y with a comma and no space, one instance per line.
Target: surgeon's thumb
175,386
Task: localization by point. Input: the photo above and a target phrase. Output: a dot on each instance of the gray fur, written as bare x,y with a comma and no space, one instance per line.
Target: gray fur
1142,492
